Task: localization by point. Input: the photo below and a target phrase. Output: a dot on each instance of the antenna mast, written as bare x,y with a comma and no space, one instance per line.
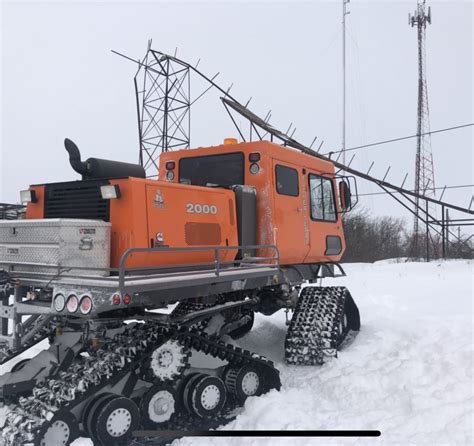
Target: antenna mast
424,171
344,13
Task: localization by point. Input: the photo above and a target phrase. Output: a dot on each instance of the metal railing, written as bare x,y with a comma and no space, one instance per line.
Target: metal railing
124,274
217,265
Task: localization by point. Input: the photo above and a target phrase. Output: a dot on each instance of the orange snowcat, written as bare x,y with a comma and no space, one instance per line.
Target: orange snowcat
225,232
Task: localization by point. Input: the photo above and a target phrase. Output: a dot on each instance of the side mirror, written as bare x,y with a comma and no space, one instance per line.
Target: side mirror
345,195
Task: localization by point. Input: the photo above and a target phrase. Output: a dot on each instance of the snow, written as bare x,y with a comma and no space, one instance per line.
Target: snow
409,372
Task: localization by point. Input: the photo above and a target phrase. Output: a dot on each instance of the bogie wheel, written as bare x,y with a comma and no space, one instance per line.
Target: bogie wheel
244,329
91,411
208,396
157,405
186,390
244,382
116,420
62,430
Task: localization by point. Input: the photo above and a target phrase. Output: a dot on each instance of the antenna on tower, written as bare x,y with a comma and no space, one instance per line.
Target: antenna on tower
344,13
424,170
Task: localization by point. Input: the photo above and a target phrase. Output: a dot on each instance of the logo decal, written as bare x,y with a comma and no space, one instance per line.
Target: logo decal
159,201
87,231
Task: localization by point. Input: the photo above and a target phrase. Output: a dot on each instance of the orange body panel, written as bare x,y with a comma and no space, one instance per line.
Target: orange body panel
36,210
281,220
148,208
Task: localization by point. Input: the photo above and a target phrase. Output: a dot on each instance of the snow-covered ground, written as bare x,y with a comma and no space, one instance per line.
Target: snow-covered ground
409,372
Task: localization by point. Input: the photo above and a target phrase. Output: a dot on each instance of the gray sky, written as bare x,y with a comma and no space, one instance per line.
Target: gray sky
59,79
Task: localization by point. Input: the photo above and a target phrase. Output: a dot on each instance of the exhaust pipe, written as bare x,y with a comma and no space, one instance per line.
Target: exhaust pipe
95,168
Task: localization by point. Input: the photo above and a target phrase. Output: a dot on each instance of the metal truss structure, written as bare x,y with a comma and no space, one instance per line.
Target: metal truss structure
424,170
162,88
415,202
165,74
164,100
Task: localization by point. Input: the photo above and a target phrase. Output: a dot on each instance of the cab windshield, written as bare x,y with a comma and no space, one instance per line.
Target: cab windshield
226,169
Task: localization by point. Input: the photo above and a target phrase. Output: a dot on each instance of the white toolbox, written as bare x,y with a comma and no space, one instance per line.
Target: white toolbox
53,245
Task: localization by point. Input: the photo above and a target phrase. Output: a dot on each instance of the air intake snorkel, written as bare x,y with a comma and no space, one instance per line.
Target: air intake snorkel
95,168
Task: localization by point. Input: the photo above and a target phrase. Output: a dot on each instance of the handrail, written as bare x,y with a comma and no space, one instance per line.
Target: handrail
215,249
216,266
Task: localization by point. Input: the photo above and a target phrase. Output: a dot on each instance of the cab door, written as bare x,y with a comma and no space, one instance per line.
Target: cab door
290,228
325,225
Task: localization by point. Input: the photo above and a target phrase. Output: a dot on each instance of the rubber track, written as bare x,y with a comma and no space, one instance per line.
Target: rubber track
184,308
313,331
106,366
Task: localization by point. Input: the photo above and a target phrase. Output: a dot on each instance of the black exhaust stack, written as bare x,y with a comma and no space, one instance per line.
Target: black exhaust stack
95,168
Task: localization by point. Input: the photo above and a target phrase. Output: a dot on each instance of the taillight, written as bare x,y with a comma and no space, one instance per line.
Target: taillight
72,303
116,299
59,302
127,299
86,305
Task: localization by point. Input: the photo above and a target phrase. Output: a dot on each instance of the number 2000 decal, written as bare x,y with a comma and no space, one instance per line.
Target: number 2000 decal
193,208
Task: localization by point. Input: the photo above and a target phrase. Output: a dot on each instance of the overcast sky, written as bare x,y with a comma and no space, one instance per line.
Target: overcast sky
59,79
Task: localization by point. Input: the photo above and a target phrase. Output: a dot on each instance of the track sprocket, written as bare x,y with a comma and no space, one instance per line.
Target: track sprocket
169,360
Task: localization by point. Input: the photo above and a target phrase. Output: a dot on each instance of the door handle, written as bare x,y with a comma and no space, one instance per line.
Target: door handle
86,244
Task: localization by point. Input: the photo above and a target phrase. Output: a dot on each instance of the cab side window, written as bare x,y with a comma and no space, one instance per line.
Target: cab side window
287,181
323,204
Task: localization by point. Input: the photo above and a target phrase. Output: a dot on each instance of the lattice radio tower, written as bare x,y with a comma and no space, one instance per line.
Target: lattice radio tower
424,171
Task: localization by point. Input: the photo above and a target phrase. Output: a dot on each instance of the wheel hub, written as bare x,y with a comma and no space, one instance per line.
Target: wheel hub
250,383
57,434
119,422
161,406
165,359
210,397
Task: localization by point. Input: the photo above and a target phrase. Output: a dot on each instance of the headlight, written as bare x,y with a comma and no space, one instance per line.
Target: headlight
110,191
72,303
59,302
254,169
28,196
170,175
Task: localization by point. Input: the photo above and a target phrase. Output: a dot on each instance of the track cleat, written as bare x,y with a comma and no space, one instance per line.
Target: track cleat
321,321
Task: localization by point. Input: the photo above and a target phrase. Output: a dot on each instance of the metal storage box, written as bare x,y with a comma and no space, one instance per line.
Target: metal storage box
50,245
